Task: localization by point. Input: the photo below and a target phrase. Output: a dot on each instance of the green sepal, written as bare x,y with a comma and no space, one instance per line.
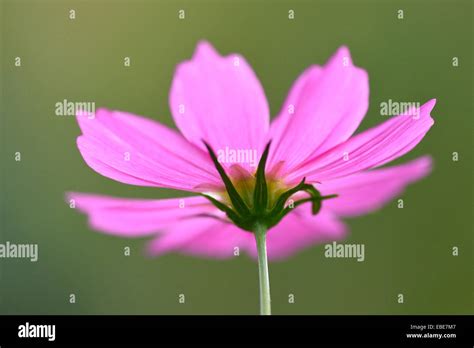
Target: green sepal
232,215
260,193
234,196
280,203
317,203
315,200
261,213
315,194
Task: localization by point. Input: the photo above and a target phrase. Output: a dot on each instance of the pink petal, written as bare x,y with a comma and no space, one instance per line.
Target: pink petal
215,239
137,217
364,192
369,149
300,230
202,237
329,104
135,150
219,100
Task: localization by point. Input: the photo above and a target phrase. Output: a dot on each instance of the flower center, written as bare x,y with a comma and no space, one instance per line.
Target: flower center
245,186
251,200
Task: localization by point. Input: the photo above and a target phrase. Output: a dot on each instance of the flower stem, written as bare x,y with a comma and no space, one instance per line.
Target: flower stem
260,236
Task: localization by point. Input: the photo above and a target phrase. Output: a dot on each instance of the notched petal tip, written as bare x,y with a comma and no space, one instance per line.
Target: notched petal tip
425,112
430,104
341,56
85,119
204,49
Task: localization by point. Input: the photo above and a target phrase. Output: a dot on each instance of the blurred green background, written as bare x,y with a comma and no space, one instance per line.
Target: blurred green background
407,250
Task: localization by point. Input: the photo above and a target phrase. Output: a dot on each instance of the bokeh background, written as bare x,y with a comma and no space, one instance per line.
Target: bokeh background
408,250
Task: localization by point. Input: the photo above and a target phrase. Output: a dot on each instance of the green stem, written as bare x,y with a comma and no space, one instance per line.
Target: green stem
260,236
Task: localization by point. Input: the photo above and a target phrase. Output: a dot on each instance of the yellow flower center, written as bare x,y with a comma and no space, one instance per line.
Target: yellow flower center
245,186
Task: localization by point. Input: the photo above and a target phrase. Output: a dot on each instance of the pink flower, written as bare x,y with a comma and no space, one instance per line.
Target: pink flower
219,101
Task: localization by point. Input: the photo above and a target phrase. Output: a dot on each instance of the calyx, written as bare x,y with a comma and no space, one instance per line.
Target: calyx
261,209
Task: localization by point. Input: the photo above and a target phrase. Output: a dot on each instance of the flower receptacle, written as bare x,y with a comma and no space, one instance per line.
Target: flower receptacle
267,204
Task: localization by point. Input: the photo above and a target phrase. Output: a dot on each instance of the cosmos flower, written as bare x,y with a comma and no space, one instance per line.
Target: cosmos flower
312,170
